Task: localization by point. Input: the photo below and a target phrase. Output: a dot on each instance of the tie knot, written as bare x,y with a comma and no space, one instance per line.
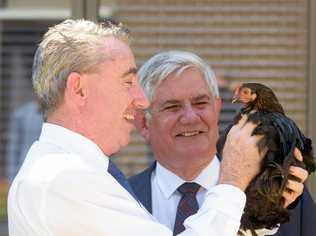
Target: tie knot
189,188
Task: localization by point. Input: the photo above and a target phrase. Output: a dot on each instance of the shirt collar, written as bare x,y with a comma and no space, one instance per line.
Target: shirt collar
168,182
75,143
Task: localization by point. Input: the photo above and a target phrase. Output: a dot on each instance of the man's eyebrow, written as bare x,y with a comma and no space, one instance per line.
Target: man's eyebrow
201,97
175,101
172,101
132,70
168,102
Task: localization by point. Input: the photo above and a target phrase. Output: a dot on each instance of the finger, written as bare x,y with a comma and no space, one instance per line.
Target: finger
241,122
263,151
249,127
295,187
289,197
298,154
299,173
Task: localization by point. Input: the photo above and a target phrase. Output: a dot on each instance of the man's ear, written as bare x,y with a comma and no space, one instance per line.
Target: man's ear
141,124
76,88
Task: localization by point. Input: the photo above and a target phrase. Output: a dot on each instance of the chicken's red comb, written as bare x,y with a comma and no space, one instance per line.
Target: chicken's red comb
237,89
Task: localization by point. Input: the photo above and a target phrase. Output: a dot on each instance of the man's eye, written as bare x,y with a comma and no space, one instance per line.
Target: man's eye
201,103
171,108
128,83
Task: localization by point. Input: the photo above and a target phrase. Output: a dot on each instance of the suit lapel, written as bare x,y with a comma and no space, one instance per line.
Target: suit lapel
141,185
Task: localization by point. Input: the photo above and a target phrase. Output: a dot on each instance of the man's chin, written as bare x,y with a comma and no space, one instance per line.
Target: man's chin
196,142
194,151
115,148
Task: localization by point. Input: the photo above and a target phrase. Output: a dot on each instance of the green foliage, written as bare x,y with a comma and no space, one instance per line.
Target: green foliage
3,199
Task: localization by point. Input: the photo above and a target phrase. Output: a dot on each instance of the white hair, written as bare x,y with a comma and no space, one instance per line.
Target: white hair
161,65
71,46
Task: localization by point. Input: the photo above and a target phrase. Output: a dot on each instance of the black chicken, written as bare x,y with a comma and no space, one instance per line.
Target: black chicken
264,207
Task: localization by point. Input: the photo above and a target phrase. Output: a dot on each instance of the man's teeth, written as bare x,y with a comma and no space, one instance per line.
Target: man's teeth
129,117
188,134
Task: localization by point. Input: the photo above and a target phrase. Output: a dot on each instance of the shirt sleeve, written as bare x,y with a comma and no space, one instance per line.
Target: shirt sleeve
83,203
220,213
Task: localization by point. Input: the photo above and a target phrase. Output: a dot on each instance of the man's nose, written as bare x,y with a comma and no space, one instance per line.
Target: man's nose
189,115
140,99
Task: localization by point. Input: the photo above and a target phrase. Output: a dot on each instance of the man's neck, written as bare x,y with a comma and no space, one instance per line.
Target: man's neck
187,171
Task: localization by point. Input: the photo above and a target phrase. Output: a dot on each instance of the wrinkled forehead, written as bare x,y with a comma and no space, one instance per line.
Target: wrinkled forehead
173,78
117,53
116,48
185,86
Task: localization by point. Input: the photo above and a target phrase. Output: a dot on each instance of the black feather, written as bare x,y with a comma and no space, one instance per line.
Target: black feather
264,206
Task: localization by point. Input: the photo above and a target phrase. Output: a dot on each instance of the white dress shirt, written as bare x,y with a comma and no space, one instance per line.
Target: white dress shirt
165,197
63,189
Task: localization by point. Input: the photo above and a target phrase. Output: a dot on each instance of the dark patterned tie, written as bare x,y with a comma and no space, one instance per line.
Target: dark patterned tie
120,178
188,205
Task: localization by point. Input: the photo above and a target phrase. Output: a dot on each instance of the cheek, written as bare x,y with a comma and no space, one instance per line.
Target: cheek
210,116
117,105
162,126
211,120
124,100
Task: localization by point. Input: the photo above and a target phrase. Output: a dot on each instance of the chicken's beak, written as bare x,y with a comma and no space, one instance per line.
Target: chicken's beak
236,95
235,99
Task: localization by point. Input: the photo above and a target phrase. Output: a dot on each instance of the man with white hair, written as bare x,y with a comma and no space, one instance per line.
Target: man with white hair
181,126
84,76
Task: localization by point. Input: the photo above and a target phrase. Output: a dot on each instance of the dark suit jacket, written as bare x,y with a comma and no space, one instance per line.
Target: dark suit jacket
302,221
